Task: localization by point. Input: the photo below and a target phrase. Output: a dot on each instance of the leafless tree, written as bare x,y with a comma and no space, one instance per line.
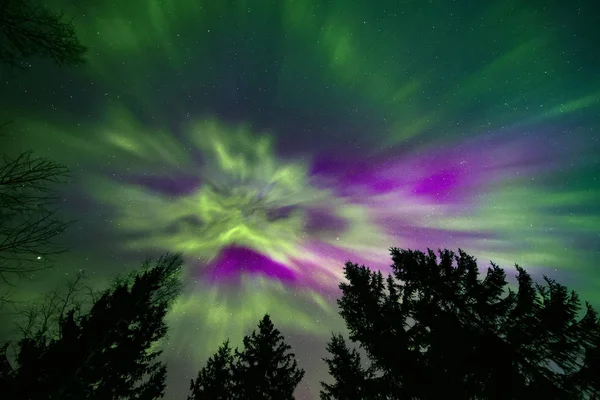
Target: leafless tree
28,30
42,317
29,221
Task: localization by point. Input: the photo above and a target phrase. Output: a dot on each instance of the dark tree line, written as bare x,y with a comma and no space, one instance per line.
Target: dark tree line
109,351
435,330
104,353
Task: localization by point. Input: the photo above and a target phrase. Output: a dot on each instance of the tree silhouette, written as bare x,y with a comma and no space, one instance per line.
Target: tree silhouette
352,381
265,369
215,380
27,30
43,316
435,330
28,203
108,352
29,220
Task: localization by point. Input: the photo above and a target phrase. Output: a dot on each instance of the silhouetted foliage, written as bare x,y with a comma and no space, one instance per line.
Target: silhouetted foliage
106,353
29,221
435,330
352,381
265,369
215,380
28,30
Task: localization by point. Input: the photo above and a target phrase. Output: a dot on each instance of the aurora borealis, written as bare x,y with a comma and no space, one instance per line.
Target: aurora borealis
271,141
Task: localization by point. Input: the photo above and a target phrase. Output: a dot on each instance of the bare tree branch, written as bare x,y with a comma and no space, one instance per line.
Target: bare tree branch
27,30
29,221
41,318
4,124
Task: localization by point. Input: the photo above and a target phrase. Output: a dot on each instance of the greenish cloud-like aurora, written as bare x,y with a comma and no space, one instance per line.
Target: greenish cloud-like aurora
269,142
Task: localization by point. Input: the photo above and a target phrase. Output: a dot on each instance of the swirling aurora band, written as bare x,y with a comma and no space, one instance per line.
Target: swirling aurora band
269,143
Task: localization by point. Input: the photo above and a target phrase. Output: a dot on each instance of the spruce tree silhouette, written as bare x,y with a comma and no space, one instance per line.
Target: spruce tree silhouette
435,330
215,380
107,353
352,381
265,369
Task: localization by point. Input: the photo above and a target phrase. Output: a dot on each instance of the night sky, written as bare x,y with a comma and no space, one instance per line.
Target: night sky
271,141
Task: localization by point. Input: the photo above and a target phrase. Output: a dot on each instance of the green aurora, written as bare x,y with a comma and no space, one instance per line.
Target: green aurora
302,133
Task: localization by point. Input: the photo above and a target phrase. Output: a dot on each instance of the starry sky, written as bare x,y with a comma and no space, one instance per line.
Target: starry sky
271,141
